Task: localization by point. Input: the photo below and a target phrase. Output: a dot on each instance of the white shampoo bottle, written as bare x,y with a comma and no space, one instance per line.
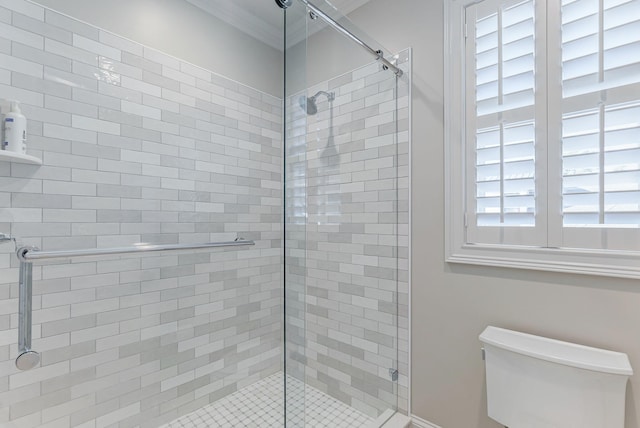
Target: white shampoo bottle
15,130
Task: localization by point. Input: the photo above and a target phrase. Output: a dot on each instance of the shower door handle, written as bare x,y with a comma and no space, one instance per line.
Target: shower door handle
27,358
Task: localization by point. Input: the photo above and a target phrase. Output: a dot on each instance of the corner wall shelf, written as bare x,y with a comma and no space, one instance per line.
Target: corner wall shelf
8,156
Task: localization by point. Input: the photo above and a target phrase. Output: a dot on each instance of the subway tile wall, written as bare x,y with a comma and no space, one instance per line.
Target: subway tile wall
137,146
347,238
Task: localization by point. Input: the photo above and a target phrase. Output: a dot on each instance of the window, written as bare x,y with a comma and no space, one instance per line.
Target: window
543,134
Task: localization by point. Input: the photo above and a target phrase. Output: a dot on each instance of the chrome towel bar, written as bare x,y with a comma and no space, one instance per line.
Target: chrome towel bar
28,358
30,254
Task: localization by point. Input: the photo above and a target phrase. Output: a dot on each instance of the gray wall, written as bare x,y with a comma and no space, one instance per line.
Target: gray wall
453,304
180,29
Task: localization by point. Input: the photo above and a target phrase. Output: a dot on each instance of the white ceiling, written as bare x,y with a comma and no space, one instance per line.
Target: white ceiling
262,19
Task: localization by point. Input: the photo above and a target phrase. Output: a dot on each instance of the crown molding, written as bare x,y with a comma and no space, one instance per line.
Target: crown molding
253,23
245,20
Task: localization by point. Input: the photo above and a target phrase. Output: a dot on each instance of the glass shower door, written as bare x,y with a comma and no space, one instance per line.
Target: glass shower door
295,216
348,170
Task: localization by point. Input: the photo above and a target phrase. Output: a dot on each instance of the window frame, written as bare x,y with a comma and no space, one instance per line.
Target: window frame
612,263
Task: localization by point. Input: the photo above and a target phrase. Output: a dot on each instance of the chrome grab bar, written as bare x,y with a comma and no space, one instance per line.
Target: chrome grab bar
33,254
28,358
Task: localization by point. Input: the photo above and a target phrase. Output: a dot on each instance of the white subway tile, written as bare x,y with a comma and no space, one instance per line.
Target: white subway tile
20,215
174,74
90,124
160,171
94,333
118,166
120,43
58,416
117,341
5,261
23,95
175,381
365,344
161,58
85,229
87,76
159,330
19,35
96,47
87,176
94,359
192,91
94,203
380,120
161,149
38,374
138,85
140,157
117,241
141,110
160,103
5,16
178,97
71,161
170,183
115,94
27,8
121,414
161,126
68,188
66,216
71,52
51,314
69,133
209,207
196,71
19,65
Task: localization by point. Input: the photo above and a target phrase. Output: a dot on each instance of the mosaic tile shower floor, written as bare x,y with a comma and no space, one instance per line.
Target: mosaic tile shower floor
260,405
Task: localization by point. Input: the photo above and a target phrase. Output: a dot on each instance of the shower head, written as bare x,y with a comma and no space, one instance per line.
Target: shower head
309,104
284,3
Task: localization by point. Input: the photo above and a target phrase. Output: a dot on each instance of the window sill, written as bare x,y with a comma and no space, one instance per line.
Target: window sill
600,263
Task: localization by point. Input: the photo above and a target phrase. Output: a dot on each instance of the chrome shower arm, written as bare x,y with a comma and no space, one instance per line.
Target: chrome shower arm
330,95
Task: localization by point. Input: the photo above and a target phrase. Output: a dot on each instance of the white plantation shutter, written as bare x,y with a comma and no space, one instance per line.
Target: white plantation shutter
552,123
600,124
501,57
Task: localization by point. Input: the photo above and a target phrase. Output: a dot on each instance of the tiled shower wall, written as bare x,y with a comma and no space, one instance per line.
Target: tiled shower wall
137,147
347,238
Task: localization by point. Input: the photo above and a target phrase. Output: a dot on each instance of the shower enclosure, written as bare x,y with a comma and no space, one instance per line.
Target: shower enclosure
181,249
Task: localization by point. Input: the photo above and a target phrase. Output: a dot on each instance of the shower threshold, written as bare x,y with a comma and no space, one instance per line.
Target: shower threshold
260,405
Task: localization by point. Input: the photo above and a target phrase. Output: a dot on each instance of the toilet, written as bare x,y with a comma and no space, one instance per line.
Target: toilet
537,382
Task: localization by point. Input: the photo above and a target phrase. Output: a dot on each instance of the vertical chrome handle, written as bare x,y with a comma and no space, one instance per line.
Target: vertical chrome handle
27,358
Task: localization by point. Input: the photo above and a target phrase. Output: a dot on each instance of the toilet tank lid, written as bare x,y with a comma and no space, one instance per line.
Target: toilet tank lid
570,354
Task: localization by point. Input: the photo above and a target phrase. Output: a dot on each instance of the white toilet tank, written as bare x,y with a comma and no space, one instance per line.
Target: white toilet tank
536,382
